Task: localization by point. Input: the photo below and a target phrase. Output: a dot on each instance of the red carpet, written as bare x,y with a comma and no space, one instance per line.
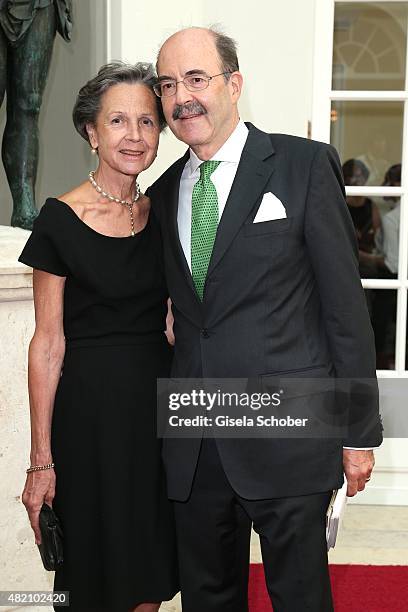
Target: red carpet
356,588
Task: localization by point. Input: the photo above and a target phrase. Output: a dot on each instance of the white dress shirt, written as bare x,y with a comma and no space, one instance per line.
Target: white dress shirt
222,178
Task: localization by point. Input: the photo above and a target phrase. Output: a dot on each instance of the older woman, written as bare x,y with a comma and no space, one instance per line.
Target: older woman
98,348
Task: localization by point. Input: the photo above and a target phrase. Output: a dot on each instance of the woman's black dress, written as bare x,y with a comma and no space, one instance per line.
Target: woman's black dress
119,544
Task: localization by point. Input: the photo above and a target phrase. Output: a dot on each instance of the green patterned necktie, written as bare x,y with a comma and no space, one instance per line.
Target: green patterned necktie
204,223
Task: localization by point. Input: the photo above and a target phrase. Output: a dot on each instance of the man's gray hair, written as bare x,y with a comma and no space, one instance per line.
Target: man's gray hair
89,99
227,50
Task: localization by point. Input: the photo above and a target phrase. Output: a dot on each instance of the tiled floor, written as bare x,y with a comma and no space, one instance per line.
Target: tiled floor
375,535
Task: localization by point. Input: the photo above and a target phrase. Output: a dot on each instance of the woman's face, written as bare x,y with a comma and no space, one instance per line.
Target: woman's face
127,131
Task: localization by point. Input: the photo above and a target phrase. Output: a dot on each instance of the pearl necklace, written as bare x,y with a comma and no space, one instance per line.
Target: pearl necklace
112,198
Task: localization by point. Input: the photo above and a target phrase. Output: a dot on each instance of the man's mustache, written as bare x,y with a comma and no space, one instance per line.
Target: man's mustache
185,110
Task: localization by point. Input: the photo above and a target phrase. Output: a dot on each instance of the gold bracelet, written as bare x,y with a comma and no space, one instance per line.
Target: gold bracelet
38,468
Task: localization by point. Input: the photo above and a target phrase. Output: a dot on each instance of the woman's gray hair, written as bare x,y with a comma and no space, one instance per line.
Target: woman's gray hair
88,102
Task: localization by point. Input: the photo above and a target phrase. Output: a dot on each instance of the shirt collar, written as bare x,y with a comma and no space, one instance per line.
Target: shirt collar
230,151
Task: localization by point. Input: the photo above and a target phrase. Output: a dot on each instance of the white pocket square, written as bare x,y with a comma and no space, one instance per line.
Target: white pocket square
271,208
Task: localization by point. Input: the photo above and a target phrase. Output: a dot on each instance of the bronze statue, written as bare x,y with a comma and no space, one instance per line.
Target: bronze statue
27,33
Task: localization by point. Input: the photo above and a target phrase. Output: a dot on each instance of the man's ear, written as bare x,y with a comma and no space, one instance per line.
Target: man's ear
236,81
90,130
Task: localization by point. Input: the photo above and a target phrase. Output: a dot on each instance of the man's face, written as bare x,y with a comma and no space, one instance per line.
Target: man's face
202,119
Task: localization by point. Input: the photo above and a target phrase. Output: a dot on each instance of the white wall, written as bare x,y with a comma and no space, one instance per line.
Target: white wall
275,42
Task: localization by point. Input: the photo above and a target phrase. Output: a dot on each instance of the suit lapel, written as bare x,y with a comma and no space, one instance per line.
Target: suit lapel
254,170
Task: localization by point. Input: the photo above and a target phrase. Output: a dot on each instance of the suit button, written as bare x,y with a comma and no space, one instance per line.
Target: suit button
204,333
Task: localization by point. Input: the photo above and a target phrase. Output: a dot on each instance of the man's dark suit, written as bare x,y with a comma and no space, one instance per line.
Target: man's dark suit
281,297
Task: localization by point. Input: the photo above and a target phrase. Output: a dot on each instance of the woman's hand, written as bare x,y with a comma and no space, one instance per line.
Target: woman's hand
39,488
169,324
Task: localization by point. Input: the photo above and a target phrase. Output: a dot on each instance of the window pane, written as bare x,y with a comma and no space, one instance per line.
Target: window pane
369,50
382,305
370,132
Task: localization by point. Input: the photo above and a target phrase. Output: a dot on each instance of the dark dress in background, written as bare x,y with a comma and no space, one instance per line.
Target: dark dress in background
119,546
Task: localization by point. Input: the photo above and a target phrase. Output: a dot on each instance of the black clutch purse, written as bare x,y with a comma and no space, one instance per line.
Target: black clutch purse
51,539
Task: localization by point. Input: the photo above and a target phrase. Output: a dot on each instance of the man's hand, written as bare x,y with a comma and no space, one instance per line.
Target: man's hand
358,465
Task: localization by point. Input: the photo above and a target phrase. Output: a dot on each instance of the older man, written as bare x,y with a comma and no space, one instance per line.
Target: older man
262,270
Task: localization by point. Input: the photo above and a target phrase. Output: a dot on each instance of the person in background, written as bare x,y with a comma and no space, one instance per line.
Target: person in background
366,218
99,345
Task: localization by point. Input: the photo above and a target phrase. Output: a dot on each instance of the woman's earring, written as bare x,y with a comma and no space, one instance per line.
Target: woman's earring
94,151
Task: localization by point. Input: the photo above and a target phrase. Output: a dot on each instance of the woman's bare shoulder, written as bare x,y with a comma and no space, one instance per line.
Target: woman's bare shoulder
78,198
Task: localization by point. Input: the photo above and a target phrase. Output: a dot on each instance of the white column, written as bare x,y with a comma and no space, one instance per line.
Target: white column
20,566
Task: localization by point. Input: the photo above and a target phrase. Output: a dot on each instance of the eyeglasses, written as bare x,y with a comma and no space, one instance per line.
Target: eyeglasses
193,82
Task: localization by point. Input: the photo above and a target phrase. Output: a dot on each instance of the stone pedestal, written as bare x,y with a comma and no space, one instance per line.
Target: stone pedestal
20,564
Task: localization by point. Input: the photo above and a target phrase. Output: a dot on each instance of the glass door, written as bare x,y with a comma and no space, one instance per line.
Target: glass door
360,97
